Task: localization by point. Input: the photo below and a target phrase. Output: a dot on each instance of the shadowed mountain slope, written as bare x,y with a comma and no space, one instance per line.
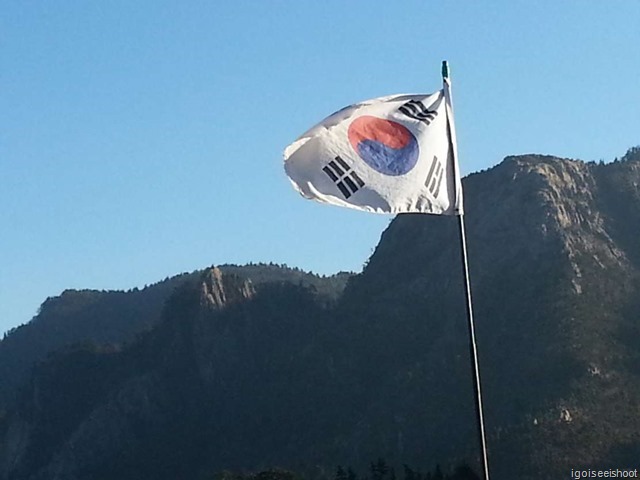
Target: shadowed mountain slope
117,317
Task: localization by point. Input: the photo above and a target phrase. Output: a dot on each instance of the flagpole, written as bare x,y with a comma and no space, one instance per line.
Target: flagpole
465,267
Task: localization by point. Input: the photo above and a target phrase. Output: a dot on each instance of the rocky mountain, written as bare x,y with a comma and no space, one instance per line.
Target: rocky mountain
554,266
236,374
117,317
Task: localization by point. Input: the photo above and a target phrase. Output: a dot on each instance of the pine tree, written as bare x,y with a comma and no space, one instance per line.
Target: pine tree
409,474
341,474
437,474
379,469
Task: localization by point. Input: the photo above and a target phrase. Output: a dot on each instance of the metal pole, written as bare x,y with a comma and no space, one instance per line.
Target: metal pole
465,268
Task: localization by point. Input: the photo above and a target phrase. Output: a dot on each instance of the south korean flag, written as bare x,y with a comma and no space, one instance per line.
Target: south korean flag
392,154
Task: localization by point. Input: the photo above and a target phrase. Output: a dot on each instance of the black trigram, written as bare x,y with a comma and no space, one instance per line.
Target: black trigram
434,178
416,110
347,181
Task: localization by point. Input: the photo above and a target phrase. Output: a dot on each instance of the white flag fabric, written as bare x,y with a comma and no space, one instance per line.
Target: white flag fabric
394,154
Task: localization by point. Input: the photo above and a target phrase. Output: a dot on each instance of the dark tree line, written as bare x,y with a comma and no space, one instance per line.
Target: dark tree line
380,470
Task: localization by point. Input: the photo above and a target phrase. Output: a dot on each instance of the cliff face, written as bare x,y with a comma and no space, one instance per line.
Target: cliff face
554,267
241,374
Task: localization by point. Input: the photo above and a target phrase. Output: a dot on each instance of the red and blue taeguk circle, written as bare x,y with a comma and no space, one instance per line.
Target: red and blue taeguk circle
387,147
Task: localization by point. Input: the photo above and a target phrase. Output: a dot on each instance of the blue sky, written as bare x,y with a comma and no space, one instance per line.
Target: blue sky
143,139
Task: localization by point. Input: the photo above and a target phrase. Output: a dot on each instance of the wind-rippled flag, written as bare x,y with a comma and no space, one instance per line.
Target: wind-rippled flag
394,154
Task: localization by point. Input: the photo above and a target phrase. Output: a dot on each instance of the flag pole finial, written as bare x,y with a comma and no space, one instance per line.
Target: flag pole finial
445,69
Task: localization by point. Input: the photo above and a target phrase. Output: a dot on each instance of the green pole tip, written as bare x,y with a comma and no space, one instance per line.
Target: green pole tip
445,69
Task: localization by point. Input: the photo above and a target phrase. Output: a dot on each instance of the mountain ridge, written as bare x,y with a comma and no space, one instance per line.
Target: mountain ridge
118,316
234,377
